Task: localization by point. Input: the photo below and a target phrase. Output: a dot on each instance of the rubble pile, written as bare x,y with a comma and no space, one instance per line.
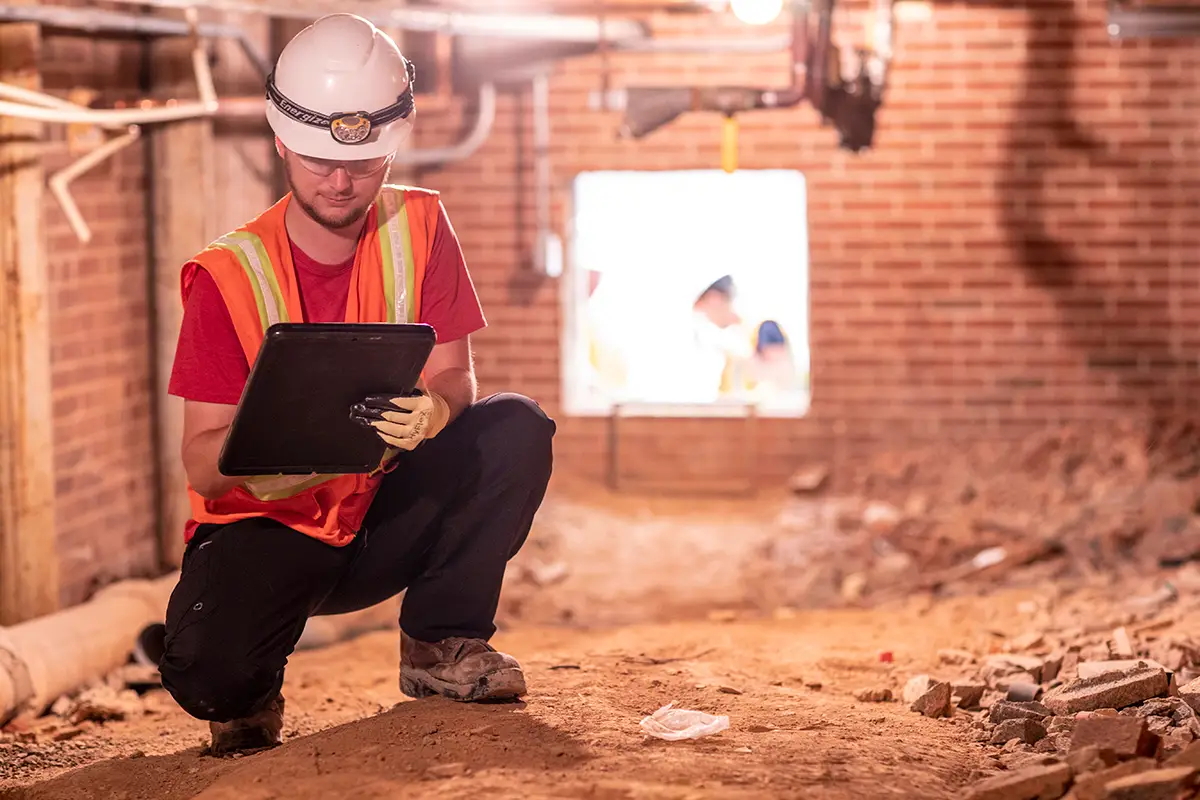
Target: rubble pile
1075,712
1105,499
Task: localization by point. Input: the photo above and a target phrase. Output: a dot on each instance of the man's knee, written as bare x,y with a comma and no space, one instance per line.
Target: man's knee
211,683
520,423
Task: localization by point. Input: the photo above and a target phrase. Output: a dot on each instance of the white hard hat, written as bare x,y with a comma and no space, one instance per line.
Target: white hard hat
341,90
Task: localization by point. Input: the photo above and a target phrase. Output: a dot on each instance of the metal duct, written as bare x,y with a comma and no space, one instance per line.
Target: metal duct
461,23
96,21
1152,21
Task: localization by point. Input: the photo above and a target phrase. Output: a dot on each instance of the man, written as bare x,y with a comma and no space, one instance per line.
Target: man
721,343
457,493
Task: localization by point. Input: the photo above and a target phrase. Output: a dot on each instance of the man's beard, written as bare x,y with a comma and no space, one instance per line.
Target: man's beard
345,218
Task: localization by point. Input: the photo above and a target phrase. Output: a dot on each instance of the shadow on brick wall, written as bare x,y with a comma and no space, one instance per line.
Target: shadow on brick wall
1064,234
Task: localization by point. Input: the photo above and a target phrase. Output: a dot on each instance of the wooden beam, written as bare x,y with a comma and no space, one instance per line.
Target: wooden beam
28,553
183,192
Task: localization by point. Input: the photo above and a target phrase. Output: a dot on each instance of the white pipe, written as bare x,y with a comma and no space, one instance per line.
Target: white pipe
33,97
554,27
49,656
61,180
470,143
543,262
107,117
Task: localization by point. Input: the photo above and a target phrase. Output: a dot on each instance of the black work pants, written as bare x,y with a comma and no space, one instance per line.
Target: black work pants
443,526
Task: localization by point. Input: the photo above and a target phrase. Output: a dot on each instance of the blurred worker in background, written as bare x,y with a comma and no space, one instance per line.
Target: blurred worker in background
722,343
769,372
454,499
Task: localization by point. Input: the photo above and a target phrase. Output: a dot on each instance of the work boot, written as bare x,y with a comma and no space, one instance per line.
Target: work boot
256,732
462,669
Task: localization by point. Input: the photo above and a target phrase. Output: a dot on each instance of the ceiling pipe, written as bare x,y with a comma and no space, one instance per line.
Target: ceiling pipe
484,121
461,23
97,21
548,251
60,181
1152,21
730,44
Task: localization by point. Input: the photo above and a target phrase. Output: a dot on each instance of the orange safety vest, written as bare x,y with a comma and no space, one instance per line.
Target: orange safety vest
253,269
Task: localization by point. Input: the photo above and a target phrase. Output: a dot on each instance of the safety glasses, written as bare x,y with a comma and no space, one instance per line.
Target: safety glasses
362,168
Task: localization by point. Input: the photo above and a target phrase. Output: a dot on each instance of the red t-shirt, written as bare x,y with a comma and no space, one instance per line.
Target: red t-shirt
210,366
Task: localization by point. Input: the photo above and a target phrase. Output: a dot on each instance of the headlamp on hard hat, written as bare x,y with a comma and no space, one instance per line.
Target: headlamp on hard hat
346,127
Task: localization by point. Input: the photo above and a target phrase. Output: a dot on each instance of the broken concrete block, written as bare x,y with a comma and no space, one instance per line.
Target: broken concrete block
1155,784
1027,641
917,686
935,702
1107,691
1176,740
1044,782
1090,758
1001,665
1125,737
1090,669
1025,730
954,657
1052,665
883,695
1187,757
1070,664
1005,710
1190,692
1175,709
1092,785
1159,726
1121,647
968,694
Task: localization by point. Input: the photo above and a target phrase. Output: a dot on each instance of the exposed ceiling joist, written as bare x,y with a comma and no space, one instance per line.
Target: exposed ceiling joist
554,27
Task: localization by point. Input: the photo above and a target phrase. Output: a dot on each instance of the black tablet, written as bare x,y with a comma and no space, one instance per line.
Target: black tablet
294,414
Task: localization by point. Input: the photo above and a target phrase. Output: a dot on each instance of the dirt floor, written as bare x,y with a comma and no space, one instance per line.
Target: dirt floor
786,685
616,608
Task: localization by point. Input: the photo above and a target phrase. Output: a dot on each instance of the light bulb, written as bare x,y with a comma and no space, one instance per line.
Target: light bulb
756,12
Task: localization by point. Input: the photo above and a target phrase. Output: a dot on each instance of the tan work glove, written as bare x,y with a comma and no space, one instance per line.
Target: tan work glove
404,422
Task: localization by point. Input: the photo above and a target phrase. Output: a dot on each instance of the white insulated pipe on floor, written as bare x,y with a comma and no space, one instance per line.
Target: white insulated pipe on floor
44,658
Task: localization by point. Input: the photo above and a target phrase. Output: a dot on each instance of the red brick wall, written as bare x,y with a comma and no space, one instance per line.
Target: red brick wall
100,353
1018,250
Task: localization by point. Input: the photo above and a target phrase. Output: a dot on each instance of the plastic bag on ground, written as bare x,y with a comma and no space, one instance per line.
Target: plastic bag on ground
675,724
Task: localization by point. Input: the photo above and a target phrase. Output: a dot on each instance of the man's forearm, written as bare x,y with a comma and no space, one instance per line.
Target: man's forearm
200,463
456,386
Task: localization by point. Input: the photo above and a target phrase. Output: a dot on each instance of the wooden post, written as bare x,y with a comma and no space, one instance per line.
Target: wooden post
28,555
208,178
182,184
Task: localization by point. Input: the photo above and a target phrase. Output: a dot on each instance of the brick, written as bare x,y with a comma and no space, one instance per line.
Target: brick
1093,785
1005,710
1159,784
1190,692
1107,691
1187,757
1125,737
935,702
1041,782
1024,730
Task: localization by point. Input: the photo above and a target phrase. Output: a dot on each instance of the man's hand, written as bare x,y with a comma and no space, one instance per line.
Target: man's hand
404,422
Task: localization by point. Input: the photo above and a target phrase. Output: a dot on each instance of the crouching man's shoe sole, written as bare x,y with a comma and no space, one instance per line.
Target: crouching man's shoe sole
261,731
468,670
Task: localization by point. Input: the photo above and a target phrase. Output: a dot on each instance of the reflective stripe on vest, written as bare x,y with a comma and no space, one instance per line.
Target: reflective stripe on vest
395,245
251,254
